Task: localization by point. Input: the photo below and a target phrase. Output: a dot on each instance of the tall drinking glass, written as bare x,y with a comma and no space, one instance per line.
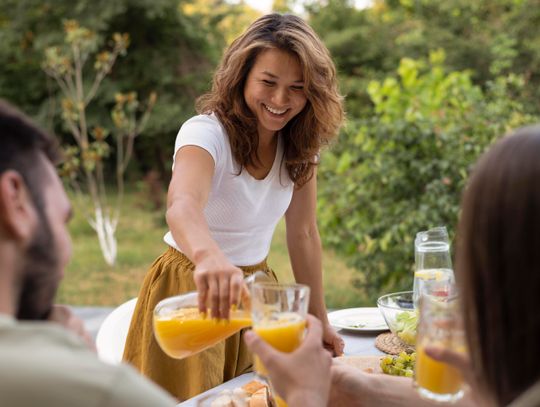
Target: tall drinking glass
440,325
279,317
432,259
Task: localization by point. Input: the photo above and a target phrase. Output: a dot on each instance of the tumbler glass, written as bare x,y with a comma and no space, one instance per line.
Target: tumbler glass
279,315
440,325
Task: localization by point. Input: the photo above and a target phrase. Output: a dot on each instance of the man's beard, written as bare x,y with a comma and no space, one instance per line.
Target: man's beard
40,276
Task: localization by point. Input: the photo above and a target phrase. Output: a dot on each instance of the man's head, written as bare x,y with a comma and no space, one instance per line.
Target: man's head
34,210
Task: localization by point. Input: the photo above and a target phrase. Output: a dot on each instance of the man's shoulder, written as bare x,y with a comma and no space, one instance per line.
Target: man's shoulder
46,365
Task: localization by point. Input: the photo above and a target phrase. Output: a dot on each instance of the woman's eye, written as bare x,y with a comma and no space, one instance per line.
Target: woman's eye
268,83
297,87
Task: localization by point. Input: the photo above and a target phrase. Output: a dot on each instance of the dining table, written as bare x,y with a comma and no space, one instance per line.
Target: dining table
357,343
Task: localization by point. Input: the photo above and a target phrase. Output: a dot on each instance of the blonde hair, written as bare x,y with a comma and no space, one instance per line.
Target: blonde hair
303,135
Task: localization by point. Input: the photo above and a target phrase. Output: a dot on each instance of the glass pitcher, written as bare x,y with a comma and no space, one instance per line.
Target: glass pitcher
181,330
432,257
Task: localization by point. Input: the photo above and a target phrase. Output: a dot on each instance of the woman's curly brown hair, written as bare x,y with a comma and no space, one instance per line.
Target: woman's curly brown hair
303,135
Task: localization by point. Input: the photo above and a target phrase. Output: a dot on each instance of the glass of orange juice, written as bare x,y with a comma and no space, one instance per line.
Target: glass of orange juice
279,314
440,325
181,330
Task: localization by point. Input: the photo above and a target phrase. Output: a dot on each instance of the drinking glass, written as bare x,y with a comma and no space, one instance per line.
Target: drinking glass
181,330
440,325
279,315
432,259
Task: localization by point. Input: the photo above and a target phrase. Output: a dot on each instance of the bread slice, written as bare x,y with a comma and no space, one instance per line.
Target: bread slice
253,386
261,398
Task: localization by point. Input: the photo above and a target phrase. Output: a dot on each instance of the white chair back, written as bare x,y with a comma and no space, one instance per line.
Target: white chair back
112,333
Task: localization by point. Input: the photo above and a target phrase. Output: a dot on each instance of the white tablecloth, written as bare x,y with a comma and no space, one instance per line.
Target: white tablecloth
355,344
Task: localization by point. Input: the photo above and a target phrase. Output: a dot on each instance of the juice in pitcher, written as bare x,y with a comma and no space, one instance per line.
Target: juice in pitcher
188,331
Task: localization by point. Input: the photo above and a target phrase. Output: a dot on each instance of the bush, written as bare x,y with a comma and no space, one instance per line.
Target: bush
402,170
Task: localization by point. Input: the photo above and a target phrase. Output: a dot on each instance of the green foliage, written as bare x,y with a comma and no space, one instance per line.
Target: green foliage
418,119
403,169
171,52
486,37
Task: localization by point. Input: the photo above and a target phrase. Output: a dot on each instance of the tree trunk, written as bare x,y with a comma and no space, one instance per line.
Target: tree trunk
105,228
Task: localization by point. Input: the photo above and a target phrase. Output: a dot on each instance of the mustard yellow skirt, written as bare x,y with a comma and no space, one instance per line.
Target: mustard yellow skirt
172,274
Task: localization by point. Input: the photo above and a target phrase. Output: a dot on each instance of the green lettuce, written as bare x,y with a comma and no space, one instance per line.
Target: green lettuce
406,323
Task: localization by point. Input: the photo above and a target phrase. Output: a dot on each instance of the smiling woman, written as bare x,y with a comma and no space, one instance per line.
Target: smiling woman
244,162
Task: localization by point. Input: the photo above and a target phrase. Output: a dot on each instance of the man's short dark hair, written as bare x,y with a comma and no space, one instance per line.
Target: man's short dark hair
22,148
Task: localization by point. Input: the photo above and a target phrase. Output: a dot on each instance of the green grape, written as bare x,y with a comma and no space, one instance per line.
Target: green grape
399,365
387,360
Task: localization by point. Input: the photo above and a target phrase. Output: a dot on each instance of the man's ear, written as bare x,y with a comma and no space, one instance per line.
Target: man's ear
18,215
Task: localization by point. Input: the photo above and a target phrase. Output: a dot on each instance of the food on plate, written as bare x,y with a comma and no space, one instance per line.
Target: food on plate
252,387
405,326
261,398
228,398
252,394
399,365
258,394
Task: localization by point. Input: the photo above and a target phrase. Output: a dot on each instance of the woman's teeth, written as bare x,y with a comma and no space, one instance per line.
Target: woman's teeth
275,111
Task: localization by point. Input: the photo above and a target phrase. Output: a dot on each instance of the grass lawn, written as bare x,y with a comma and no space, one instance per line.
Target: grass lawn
89,281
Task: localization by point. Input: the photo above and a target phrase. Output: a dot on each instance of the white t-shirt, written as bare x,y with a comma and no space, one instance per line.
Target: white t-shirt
242,212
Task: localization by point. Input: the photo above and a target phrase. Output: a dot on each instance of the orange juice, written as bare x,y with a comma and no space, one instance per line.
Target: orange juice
279,401
435,376
188,331
284,333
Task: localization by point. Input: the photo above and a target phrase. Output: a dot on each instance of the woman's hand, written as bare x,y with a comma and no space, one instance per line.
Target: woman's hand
219,284
302,377
332,341
61,314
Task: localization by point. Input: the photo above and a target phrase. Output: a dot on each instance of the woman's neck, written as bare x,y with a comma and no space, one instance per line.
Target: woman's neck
267,143
266,152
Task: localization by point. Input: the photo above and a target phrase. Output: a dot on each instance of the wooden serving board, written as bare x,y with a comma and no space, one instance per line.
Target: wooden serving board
367,363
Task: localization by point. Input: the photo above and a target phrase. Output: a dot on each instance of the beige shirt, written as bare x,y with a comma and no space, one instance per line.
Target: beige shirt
41,364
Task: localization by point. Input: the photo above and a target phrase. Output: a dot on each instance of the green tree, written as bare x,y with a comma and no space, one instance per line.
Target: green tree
487,37
170,52
66,65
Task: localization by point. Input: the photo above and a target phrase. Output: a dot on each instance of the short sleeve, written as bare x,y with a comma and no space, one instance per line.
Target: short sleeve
202,131
131,389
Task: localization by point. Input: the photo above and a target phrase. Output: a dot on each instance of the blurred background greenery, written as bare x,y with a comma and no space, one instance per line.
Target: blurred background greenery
429,84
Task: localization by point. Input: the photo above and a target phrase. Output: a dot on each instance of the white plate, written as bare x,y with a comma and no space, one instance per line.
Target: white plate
367,319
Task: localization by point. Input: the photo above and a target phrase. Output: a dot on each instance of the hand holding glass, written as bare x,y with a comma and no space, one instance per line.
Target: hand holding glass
279,317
